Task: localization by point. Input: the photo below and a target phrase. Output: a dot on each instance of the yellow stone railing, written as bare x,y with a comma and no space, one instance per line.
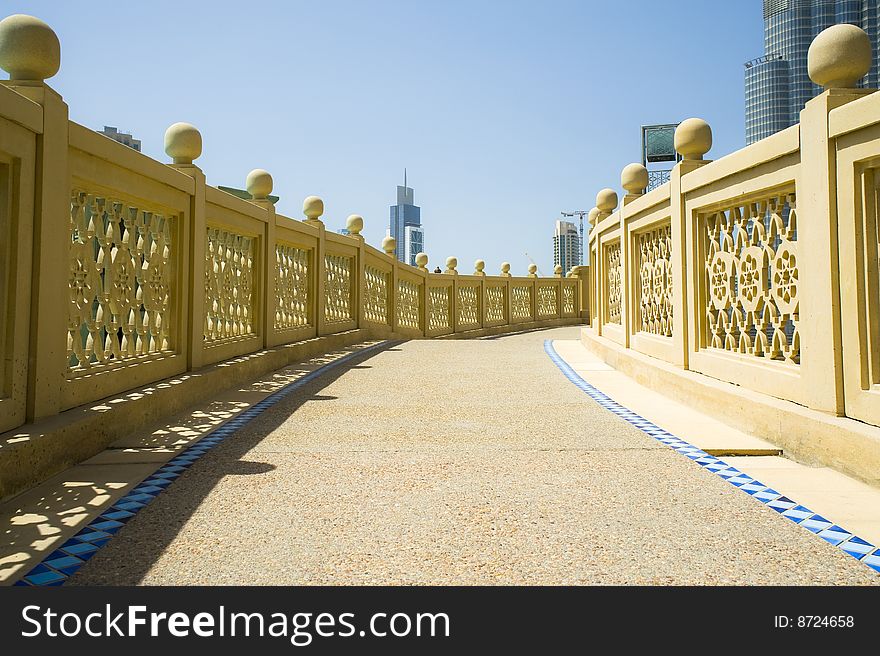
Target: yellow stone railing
158,273
760,268
119,283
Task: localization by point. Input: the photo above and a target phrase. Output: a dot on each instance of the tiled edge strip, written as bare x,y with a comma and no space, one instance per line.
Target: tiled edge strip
62,563
860,549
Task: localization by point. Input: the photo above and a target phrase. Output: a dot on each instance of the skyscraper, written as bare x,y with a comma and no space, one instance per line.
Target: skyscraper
406,225
122,137
566,245
777,85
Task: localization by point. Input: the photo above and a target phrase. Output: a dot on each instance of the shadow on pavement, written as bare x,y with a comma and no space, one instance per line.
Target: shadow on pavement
127,557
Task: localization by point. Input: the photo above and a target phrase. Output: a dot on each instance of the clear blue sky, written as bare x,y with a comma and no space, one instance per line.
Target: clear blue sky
504,113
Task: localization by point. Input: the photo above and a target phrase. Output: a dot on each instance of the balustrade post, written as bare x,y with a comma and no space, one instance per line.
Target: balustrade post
422,264
533,297
557,273
693,139
183,144
313,208
479,265
581,273
634,179
837,59
505,273
31,53
451,263
355,224
593,272
392,295
606,203
259,185
389,245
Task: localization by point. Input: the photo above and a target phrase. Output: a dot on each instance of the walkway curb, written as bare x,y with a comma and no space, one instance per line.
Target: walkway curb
56,568
860,549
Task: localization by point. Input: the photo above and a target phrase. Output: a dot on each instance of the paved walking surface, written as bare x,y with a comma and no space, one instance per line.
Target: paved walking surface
456,462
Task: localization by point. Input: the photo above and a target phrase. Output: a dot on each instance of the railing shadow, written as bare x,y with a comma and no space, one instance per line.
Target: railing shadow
127,558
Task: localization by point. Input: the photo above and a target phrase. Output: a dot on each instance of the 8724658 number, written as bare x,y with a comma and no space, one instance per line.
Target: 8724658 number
825,621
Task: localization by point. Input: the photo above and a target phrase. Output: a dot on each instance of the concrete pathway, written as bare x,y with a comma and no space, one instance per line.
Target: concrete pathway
839,498
456,462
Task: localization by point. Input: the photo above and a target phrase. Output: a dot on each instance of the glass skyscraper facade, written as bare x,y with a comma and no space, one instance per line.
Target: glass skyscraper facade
777,85
566,246
406,226
413,243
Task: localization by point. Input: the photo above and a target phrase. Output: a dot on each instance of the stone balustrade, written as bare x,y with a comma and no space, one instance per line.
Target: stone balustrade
155,273
759,268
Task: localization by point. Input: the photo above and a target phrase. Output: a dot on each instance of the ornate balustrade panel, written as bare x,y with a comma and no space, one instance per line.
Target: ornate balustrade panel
613,279
858,217
408,306
229,286
495,304
569,299
18,146
752,278
520,302
292,296
594,281
869,306
338,288
546,304
871,193
654,252
468,306
376,284
120,283
439,309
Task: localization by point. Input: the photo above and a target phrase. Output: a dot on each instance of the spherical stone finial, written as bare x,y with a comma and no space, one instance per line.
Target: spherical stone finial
557,270
839,57
451,263
606,200
593,216
693,138
422,260
29,49
533,268
313,208
505,268
479,265
258,184
634,178
388,245
183,143
354,224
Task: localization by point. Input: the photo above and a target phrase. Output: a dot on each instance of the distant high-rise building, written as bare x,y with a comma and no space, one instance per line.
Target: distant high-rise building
122,137
777,85
566,245
406,225
413,243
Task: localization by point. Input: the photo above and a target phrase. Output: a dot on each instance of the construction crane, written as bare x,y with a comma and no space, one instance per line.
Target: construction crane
580,214
536,265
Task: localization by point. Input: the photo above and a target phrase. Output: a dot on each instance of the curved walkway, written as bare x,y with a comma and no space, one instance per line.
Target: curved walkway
456,462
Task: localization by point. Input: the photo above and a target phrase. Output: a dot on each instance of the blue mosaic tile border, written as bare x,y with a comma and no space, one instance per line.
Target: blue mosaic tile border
860,549
62,563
